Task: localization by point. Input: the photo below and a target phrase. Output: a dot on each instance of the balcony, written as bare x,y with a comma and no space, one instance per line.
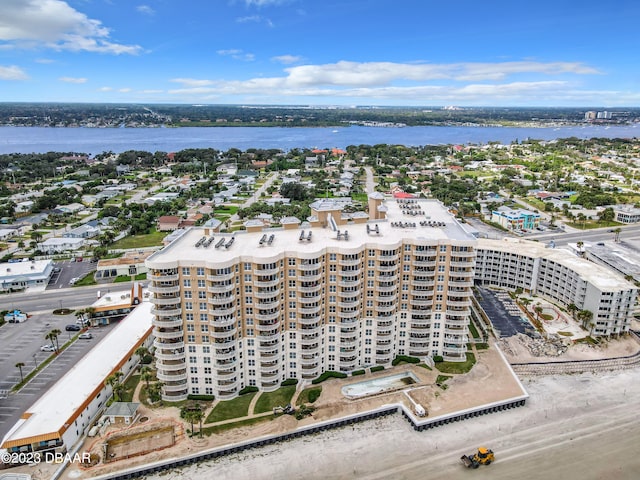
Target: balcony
269,294
171,377
173,323
351,304
350,293
452,348
460,283
171,277
386,278
225,375
270,385
221,288
268,305
222,299
224,354
228,385
457,313
164,289
452,303
267,271
313,300
389,258
171,365
384,331
223,322
167,334
310,339
348,345
309,267
386,288
263,339
268,328
166,300
386,308
230,332
353,314
169,357
269,354
267,283
313,289
310,311
387,268
267,317
310,362
349,283
177,387
310,321
422,303
166,312
171,346
222,312
423,283
225,342
268,347
388,298
423,263
311,277
349,262
222,277
419,351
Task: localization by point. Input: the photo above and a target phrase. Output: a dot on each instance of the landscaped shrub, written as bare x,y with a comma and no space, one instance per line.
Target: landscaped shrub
328,374
404,358
438,358
314,394
357,372
249,389
146,360
204,398
289,381
377,368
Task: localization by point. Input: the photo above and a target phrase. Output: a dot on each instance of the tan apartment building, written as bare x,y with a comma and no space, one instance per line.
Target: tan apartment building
338,292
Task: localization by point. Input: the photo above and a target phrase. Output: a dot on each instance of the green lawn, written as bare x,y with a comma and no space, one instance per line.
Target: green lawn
279,398
236,408
588,224
86,280
457,367
152,239
308,393
129,388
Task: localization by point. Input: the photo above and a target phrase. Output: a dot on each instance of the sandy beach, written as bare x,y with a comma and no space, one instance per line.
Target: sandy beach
573,427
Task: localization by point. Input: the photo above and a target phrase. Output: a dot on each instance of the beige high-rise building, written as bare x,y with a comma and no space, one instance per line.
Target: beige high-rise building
338,292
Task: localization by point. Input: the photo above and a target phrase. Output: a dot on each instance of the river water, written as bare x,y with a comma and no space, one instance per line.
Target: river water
97,140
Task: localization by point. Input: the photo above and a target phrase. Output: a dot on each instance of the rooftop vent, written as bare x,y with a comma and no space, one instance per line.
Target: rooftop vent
220,243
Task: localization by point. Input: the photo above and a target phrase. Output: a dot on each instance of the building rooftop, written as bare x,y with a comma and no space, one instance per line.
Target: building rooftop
58,408
599,276
287,241
31,267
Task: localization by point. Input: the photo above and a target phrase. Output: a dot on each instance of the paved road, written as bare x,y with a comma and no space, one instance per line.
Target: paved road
370,185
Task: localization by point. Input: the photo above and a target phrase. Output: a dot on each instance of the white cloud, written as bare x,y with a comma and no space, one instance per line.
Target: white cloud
151,91
44,61
124,90
105,89
56,25
12,72
507,83
286,59
251,18
145,9
237,54
263,3
73,80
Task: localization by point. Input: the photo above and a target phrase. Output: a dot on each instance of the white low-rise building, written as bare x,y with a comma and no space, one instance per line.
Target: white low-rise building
60,245
60,417
18,276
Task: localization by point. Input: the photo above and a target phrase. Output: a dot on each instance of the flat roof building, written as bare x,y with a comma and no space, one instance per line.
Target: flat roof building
59,418
18,276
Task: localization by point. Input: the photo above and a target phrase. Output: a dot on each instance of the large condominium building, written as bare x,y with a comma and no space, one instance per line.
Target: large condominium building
561,277
337,292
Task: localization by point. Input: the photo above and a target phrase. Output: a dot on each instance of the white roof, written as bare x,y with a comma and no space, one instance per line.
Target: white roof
61,402
287,240
32,267
599,276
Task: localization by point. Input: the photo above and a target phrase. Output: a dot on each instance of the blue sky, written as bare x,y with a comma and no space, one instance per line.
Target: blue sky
322,52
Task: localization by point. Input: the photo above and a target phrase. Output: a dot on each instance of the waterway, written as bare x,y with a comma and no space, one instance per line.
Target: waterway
97,140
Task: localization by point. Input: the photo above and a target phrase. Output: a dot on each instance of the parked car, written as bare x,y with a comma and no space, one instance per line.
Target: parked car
47,348
85,335
82,322
73,328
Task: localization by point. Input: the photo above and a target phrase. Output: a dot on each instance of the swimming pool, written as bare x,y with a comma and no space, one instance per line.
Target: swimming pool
378,385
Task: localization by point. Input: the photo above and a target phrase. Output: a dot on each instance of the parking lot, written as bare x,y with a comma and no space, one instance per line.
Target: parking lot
69,270
20,343
505,315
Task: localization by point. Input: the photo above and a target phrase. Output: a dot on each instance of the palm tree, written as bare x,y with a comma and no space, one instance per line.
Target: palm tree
585,316
154,391
616,237
142,352
146,375
525,301
53,336
192,414
19,366
538,309
582,218
572,309
580,244
114,381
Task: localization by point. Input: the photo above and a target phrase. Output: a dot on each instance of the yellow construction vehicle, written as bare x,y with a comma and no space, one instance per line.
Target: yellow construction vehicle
483,457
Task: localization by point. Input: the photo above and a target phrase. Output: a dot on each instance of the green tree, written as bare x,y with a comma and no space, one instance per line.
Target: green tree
53,337
146,375
585,316
616,232
572,309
